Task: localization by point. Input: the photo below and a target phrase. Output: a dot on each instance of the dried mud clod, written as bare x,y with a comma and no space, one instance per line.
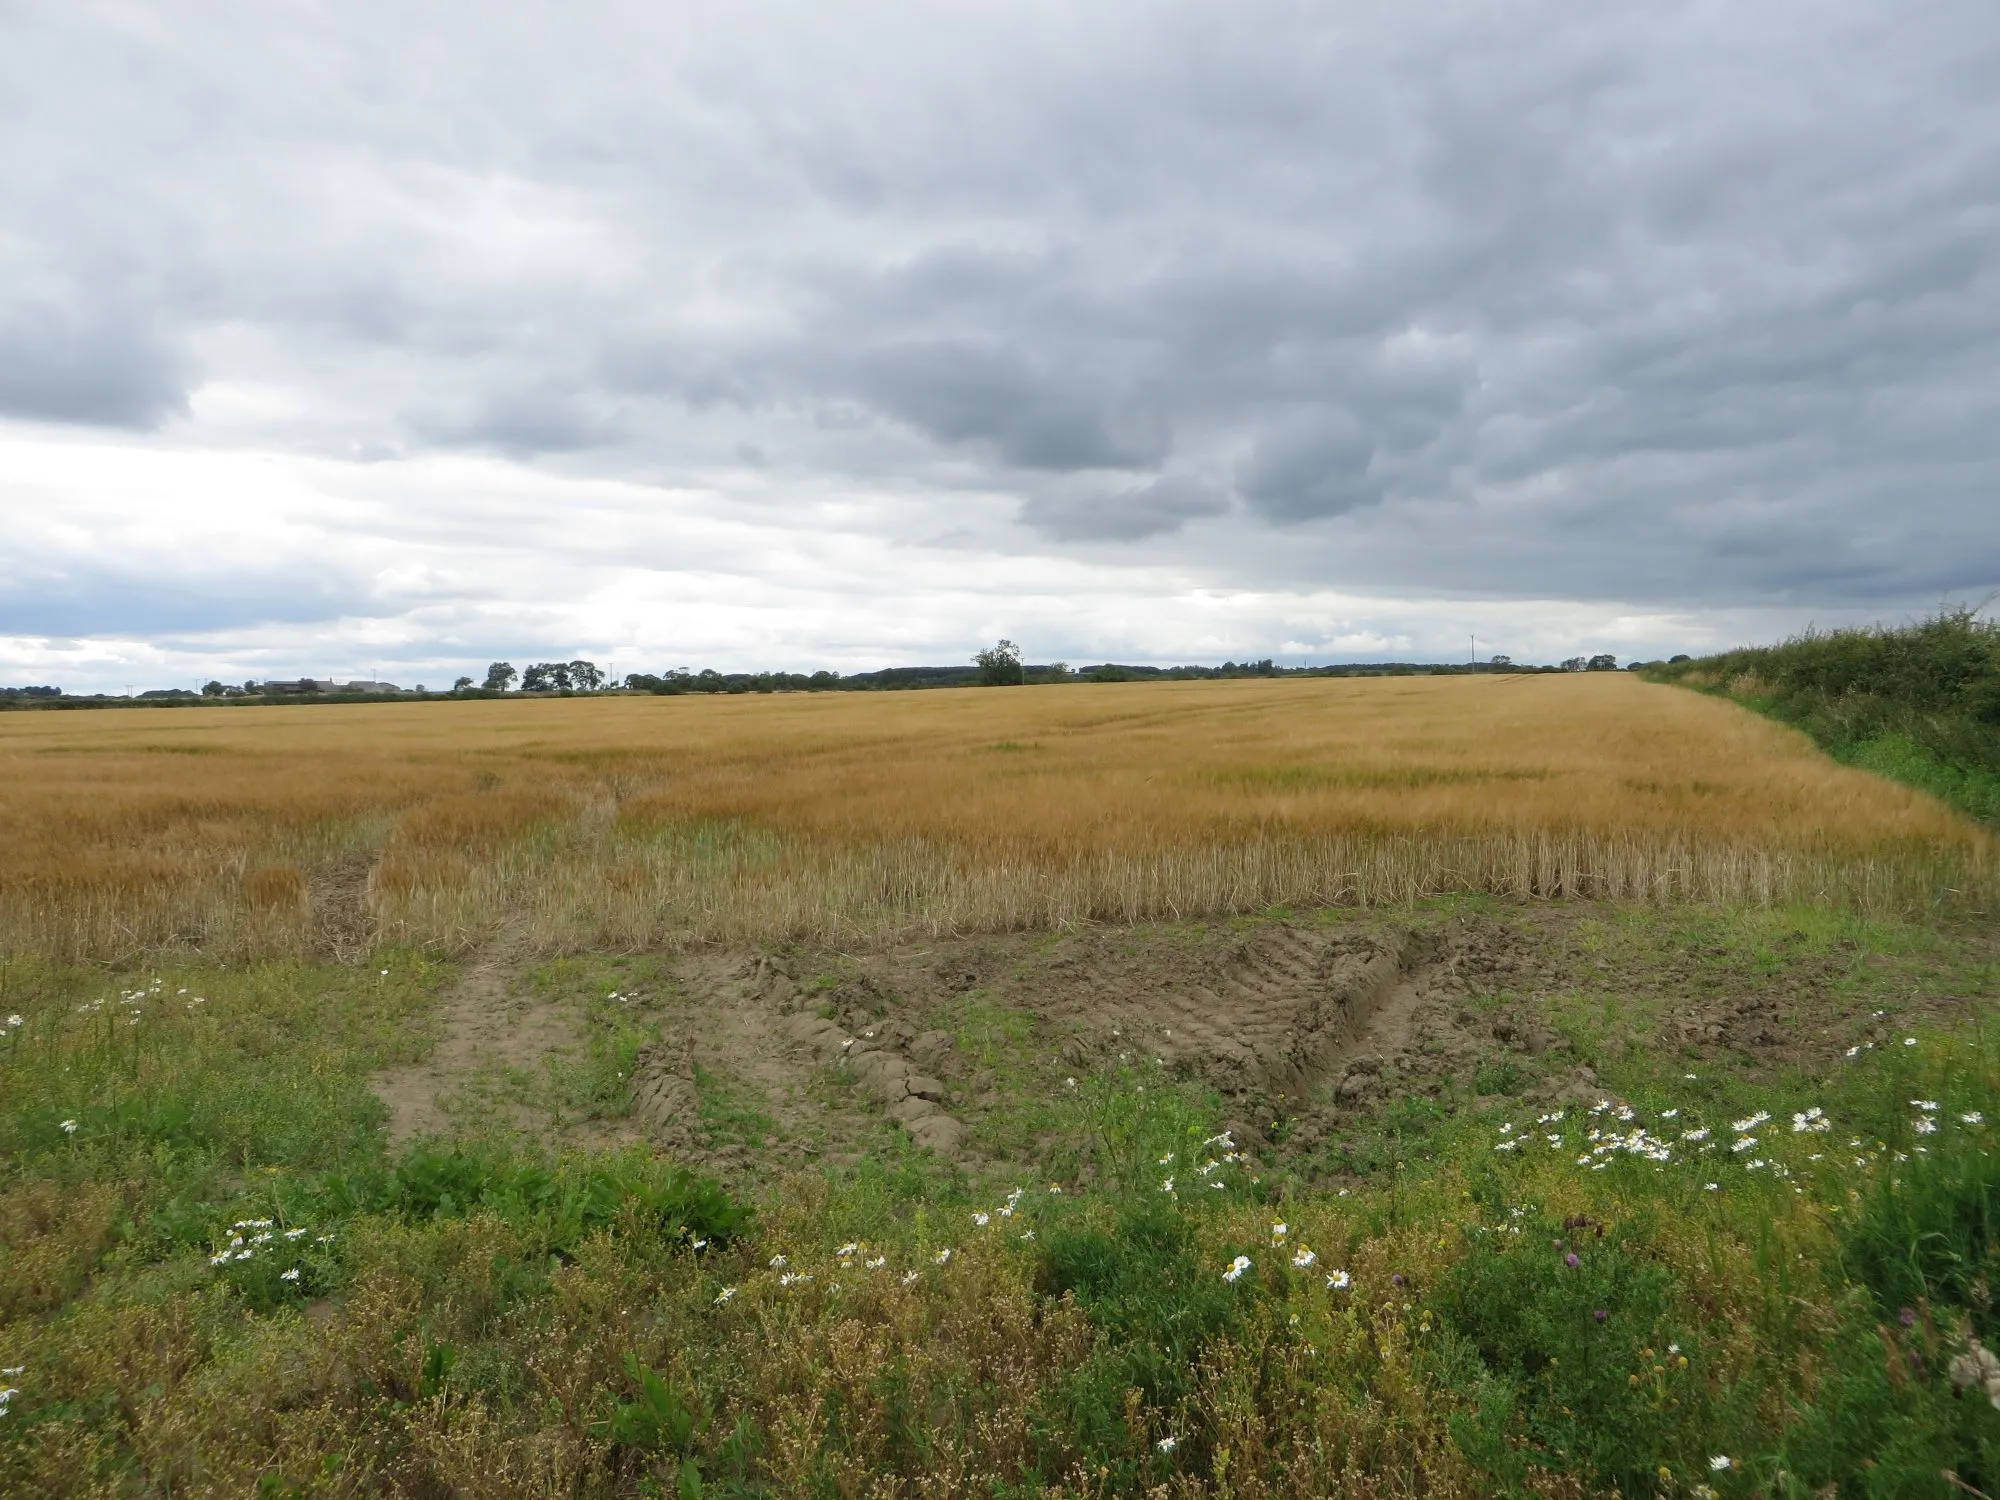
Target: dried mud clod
664,1100
911,1098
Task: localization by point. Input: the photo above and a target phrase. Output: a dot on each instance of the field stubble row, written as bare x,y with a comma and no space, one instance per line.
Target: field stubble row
649,821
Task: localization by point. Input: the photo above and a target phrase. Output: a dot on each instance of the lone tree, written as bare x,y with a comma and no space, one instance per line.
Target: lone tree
1000,666
461,684
1603,662
500,676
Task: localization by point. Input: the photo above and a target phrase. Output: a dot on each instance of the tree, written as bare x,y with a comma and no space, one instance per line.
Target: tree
212,690
584,676
1000,665
1575,663
1604,661
461,685
1501,661
500,676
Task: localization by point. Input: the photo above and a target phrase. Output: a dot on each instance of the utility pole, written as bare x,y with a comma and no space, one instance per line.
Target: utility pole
1475,648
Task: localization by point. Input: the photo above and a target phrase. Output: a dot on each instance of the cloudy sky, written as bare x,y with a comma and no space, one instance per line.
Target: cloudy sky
395,336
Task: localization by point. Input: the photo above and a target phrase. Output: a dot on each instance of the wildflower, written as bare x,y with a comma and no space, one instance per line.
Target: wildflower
1750,1122
877,1263
1028,1234
1927,1105
1854,1051
793,1278
1977,1366
291,1275
1338,1281
12,1370
1571,1260
943,1257
1925,1126
1907,1317
1302,1257
1505,1146
846,1251
1670,1114
1069,1083
1744,1144
69,1127
1165,1445
1689,1077
699,1245
1909,1041
724,1295
1700,1134
1711,1187
982,1219
1236,1269
1720,1462
1600,1314
1167,1186
13,1020
1973,1117
779,1262
1279,1230
1167,1160
908,1277
1809,1120
294,1234
1397,1279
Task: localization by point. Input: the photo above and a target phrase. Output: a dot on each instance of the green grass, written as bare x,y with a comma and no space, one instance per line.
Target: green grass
488,1317
1918,703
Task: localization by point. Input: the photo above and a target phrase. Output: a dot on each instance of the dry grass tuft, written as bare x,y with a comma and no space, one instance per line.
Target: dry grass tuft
667,820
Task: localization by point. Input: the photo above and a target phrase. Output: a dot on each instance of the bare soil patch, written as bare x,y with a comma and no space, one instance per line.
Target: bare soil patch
769,1061
493,1040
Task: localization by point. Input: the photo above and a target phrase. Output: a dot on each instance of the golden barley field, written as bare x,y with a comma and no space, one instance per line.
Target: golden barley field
662,821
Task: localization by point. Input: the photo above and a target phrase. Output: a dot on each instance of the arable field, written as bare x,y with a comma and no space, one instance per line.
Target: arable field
1554,1087
590,822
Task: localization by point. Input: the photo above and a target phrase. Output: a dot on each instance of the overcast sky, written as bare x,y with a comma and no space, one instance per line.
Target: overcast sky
395,337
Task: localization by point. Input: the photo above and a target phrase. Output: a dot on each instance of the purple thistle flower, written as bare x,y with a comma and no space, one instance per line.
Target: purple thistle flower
1397,1278
1907,1317
1571,1261
1600,1315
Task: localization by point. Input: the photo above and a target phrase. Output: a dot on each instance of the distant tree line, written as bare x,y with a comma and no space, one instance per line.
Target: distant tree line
1000,665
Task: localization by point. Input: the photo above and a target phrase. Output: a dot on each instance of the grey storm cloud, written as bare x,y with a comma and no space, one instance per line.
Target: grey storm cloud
1684,301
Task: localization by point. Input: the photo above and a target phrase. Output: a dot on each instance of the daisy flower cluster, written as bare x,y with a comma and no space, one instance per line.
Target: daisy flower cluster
1301,1256
266,1242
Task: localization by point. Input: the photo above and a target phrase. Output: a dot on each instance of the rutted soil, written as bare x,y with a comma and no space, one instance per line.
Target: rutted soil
786,1059
487,1028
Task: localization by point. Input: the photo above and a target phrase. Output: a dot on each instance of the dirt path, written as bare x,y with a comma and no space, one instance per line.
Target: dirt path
489,1034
